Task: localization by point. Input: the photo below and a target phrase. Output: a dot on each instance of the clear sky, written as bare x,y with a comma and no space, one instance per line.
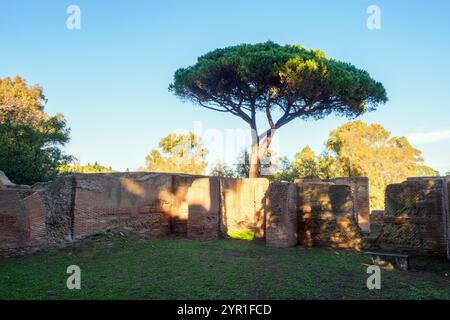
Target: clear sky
110,78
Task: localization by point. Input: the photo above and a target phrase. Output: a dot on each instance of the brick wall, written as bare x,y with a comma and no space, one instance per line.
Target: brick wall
22,221
416,217
35,219
309,212
137,202
243,206
58,199
12,220
359,193
377,218
326,216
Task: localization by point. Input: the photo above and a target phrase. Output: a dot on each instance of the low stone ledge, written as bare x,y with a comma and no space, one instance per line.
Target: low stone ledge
390,260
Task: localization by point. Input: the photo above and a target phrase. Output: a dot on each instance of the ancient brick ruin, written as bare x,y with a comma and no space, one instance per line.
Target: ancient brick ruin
331,213
416,217
327,216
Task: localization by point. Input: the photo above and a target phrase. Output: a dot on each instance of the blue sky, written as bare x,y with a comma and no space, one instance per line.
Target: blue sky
110,78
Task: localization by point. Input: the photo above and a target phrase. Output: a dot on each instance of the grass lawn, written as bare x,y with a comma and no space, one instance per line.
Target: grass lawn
172,268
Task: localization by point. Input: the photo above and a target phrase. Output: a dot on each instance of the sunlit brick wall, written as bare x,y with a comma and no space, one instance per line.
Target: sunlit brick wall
326,216
416,216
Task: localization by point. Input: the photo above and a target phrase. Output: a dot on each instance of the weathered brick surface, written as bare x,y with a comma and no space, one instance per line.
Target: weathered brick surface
58,200
138,202
326,216
416,217
281,215
204,209
309,212
243,206
361,199
35,219
13,224
377,218
180,208
22,221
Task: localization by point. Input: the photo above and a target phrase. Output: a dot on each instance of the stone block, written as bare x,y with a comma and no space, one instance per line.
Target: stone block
390,260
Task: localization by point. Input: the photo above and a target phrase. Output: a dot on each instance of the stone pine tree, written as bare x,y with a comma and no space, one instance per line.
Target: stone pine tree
282,82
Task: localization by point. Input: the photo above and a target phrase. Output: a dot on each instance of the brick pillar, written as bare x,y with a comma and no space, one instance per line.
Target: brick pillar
204,209
281,215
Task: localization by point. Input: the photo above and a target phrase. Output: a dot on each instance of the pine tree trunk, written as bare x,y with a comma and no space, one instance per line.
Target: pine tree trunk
255,162
258,152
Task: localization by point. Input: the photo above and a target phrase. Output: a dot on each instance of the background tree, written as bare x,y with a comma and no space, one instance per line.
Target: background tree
369,150
270,164
285,81
285,172
179,153
360,149
221,169
307,164
20,103
89,168
30,139
28,155
242,165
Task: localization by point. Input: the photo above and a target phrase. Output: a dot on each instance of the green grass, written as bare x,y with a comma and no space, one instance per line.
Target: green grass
222,269
242,235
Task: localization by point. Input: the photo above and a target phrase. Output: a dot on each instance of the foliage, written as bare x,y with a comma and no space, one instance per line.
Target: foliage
270,164
179,153
20,103
360,149
307,164
242,165
369,150
30,139
285,173
28,155
89,168
221,169
269,78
